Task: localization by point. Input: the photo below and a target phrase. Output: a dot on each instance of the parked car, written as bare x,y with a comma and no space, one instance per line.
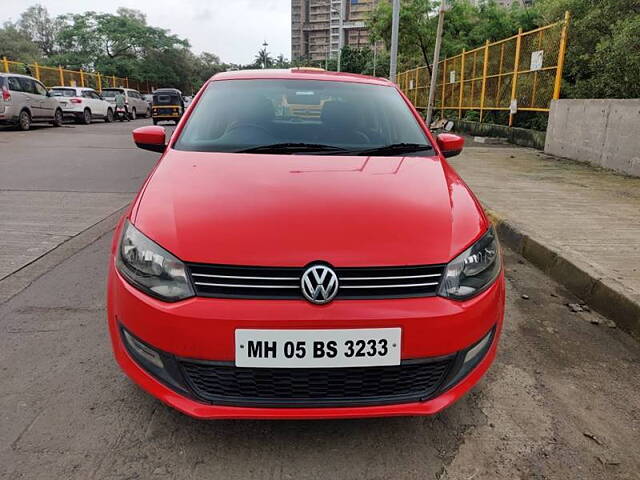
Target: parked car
148,97
136,105
26,101
304,268
83,104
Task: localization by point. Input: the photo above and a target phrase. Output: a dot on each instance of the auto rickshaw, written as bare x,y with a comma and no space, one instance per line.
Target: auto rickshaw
168,105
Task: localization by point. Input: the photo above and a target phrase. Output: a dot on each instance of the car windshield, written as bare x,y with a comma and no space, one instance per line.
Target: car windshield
63,92
294,116
111,93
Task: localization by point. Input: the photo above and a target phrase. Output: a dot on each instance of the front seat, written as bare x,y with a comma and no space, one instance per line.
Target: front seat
339,124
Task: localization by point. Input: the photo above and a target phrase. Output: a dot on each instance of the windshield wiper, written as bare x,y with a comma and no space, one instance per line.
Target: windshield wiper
292,148
395,149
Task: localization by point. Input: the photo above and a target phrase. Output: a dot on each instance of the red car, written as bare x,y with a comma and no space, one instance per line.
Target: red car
285,265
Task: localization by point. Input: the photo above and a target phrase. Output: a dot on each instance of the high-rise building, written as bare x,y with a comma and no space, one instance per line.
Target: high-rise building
315,26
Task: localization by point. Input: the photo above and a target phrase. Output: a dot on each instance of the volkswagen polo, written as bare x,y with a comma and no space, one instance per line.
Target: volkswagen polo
277,264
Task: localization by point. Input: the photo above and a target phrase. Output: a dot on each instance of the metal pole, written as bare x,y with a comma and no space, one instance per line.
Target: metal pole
561,53
340,33
374,59
436,58
395,24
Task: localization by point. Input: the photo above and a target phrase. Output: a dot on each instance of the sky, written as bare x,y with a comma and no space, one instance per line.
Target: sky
232,29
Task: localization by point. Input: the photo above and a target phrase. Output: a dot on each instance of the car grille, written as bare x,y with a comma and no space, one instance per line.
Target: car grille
229,385
225,281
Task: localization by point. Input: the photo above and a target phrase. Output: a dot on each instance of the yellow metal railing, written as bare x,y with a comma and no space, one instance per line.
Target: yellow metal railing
58,76
519,73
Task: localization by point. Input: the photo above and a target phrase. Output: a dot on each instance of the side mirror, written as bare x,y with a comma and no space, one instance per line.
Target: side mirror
150,138
450,144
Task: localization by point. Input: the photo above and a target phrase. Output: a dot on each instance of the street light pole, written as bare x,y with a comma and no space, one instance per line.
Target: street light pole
436,59
395,24
340,39
264,60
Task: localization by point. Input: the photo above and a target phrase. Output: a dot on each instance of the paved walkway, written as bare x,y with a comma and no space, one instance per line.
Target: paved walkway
574,214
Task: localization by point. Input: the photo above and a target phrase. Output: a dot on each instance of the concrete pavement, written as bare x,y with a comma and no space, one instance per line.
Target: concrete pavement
57,182
577,223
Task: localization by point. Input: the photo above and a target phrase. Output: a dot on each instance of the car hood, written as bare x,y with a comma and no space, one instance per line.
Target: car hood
290,210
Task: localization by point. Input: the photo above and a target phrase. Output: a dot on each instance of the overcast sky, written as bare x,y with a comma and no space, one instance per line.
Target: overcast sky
232,29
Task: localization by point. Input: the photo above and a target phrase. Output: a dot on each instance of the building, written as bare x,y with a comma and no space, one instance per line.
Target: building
315,27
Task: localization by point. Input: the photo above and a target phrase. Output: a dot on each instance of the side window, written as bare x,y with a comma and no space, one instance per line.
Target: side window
14,84
86,94
39,88
27,85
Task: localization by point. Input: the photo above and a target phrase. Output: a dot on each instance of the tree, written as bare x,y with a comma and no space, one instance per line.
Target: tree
36,25
466,26
603,55
17,46
263,59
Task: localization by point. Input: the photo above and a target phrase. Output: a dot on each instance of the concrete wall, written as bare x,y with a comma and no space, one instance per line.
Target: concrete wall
517,136
605,133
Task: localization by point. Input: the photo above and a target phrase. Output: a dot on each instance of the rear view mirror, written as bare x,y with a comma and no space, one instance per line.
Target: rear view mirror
150,138
450,144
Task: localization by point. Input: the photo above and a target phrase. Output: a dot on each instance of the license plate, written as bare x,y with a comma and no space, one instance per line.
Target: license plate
366,347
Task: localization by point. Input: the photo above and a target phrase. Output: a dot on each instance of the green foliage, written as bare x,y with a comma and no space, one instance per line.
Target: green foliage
603,55
17,46
466,26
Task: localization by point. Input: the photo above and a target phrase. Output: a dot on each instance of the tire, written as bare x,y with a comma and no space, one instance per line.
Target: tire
155,121
109,117
24,121
148,114
58,118
86,116
133,114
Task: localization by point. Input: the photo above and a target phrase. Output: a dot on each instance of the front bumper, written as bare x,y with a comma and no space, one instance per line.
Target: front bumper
203,329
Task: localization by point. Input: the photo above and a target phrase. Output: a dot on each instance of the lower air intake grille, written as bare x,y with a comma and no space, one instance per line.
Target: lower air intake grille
230,385
229,281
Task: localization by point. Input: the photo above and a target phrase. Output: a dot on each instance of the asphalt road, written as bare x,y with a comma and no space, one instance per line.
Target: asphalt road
562,400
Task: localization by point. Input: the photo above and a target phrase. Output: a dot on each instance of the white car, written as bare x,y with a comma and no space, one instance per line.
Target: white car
137,106
84,104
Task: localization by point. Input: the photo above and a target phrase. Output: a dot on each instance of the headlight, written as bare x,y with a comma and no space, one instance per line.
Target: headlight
150,268
473,270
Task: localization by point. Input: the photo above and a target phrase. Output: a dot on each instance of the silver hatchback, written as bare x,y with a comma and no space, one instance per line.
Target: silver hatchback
25,101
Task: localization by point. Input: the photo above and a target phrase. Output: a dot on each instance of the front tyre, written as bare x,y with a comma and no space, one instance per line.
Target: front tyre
109,117
57,118
133,114
155,121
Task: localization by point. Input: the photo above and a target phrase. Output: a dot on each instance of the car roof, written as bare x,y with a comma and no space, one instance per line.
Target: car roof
300,74
11,74
167,90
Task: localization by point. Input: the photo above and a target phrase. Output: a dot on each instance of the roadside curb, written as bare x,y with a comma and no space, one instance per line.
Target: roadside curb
22,278
601,292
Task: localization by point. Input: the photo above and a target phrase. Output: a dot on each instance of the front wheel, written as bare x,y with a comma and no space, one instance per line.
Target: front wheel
155,121
148,113
109,117
133,114
57,118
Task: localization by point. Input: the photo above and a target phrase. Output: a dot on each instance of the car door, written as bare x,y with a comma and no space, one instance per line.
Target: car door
18,96
101,105
31,99
91,103
47,104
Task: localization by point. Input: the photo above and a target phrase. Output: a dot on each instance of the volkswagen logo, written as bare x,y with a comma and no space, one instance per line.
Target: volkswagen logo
319,284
